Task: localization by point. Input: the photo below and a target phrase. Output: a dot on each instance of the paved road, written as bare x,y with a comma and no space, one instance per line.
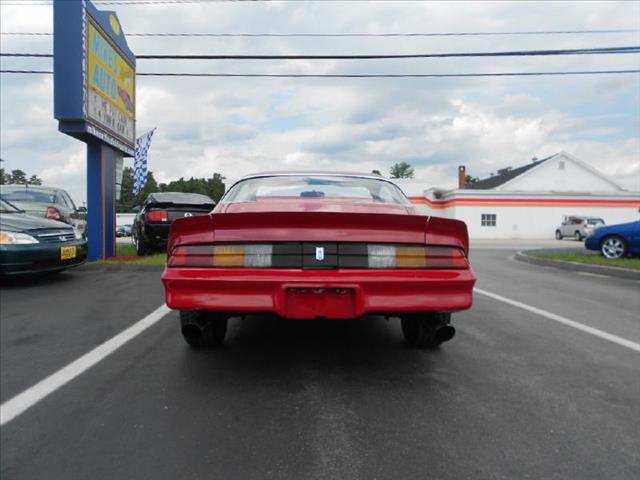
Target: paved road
514,395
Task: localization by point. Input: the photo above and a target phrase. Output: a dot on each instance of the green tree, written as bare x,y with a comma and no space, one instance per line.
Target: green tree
377,172
213,187
401,170
3,177
127,199
17,176
34,180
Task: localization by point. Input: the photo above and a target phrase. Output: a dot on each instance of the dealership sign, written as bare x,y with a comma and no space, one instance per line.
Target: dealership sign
94,100
95,76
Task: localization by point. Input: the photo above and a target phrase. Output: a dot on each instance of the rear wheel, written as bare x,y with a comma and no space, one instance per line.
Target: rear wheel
203,329
142,247
613,247
558,235
577,236
427,329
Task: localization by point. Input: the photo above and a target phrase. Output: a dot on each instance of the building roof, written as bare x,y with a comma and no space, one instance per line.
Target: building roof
503,176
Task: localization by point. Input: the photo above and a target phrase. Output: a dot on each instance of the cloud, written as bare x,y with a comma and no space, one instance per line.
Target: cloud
236,126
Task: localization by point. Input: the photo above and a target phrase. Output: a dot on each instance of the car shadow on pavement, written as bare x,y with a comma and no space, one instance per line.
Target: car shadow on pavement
34,280
268,349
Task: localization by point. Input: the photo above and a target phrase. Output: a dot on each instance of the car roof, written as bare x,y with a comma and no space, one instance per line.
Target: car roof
22,186
179,197
282,173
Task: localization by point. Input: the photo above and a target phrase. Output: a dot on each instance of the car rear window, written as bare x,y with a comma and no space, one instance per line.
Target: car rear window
595,221
360,189
29,196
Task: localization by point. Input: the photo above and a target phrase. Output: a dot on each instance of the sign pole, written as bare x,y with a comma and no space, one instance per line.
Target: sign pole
101,195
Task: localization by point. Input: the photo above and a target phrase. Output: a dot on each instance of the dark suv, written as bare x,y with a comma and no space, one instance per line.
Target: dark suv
151,226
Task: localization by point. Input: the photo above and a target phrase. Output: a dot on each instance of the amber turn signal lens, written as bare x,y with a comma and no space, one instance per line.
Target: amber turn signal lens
228,256
411,257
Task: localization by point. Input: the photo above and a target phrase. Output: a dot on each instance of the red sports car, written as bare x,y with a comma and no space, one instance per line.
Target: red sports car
318,245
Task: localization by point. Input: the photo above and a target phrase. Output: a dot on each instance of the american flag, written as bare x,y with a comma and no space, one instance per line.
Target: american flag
140,161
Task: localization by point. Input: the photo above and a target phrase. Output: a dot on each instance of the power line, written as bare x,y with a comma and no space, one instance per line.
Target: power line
388,34
516,53
130,2
578,51
364,75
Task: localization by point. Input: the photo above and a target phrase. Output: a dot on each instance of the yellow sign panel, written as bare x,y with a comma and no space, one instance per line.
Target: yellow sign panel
109,74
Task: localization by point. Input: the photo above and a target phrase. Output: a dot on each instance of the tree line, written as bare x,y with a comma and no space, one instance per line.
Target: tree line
212,187
18,177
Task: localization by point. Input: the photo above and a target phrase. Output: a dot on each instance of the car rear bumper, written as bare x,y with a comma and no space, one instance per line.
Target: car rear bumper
297,293
157,232
38,258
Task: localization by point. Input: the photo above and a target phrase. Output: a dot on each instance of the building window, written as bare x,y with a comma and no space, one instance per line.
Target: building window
488,220
561,165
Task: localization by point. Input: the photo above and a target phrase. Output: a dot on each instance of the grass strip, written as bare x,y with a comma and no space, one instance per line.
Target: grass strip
580,257
126,255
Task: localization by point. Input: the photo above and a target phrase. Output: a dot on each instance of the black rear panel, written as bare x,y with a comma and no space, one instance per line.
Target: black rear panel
176,212
320,255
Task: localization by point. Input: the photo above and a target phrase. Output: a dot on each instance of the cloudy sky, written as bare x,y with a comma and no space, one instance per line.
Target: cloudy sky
242,125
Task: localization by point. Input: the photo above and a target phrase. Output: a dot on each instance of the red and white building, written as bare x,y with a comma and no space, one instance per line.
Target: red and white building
530,201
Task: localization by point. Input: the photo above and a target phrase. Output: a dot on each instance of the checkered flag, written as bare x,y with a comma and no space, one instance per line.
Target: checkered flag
140,161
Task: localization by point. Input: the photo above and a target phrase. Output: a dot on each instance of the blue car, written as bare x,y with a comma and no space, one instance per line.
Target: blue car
615,241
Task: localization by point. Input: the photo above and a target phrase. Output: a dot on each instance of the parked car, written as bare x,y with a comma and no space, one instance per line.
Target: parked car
48,202
615,241
318,245
123,230
31,244
150,228
578,227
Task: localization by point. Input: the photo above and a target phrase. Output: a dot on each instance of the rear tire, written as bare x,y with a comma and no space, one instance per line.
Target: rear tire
577,236
203,329
558,235
142,247
420,330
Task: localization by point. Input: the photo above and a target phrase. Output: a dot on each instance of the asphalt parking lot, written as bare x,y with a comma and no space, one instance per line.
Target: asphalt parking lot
516,394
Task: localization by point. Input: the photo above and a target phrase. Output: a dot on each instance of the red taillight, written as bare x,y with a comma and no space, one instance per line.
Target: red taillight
191,256
53,213
446,257
158,216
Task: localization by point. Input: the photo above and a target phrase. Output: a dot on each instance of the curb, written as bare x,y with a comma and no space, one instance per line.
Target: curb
578,267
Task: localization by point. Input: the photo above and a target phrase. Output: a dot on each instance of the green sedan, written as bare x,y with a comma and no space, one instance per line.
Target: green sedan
36,245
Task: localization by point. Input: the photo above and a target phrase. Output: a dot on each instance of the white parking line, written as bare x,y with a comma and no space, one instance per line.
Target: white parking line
21,402
565,321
